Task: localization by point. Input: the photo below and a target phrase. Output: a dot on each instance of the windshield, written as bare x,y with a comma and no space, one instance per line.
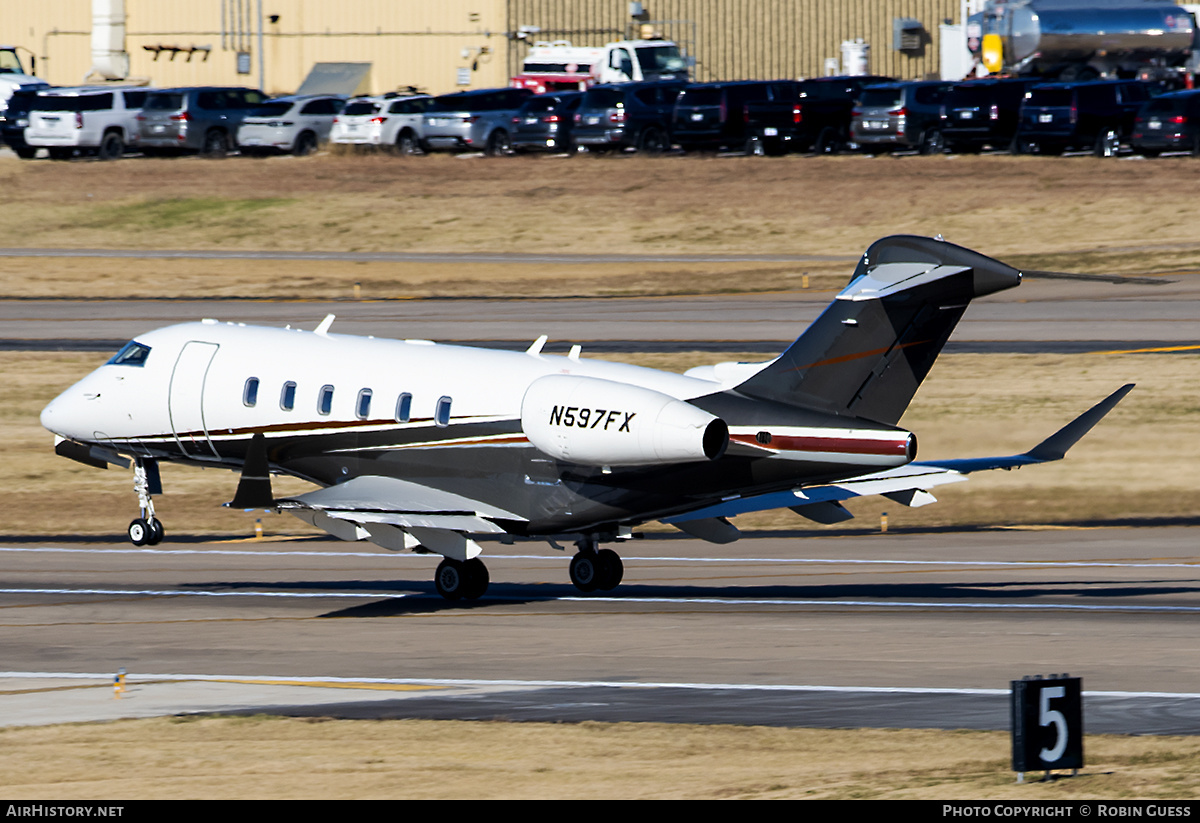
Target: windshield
9,64
132,353
658,59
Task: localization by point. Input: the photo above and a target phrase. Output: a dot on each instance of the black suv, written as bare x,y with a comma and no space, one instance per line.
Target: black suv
981,113
544,122
1057,117
14,120
626,115
1167,123
900,116
713,115
815,115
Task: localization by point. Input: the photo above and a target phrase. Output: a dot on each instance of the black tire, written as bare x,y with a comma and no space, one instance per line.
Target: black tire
26,152
828,141
1195,147
216,144
450,579
61,154
932,142
612,570
585,571
652,141
498,144
1022,145
305,145
157,532
139,532
407,144
477,579
1108,144
1155,152
755,147
112,147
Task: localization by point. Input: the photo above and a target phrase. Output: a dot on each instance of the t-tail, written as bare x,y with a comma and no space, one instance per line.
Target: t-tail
866,355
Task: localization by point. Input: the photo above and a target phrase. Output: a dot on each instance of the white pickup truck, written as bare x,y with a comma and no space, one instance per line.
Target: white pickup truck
93,120
560,66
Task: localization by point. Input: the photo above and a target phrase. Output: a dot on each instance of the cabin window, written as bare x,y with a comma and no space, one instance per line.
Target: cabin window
363,406
325,400
442,415
250,392
287,397
131,354
404,408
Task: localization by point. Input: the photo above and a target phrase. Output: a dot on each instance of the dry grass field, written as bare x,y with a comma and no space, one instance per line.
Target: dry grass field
1074,214
267,758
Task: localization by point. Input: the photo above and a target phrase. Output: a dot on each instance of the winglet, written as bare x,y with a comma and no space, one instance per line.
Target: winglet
1056,445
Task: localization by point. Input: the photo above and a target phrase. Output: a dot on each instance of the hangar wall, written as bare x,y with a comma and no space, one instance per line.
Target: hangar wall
459,44
750,39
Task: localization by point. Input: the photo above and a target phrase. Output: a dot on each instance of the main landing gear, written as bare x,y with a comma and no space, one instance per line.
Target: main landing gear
146,530
594,568
458,579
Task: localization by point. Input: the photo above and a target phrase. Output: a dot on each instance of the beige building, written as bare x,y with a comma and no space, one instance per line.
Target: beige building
455,44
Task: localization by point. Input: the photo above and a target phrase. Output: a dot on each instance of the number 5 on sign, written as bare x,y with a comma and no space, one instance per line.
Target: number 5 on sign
1047,723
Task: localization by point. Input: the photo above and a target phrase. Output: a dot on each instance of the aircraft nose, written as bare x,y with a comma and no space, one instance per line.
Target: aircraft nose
65,415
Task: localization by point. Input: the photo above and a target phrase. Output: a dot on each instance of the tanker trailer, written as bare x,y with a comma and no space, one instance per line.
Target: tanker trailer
1073,40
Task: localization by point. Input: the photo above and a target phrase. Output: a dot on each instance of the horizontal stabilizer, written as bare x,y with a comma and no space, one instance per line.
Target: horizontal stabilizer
1054,447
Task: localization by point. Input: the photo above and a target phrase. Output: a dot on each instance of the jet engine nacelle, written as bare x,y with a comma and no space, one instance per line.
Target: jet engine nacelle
597,422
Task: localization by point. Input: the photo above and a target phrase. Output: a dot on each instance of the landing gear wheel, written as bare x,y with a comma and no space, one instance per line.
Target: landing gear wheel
585,571
157,532
450,580
612,570
477,579
139,532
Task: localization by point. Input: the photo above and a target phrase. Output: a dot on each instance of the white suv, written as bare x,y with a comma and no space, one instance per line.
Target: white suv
100,121
391,121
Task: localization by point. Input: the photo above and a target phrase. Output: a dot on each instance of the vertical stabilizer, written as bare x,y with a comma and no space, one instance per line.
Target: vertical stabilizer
868,352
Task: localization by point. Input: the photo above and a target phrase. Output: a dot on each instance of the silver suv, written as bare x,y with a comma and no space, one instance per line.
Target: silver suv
203,119
100,121
473,120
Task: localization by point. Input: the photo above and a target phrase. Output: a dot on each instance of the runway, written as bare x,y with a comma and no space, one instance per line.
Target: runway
778,629
1043,315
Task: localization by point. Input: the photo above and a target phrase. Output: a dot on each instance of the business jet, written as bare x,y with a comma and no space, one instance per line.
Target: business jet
425,447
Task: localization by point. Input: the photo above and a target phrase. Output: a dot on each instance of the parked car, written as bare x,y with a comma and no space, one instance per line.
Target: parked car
387,120
543,123
472,120
1056,117
900,116
627,116
713,115
292,125
815,116
15,119
1168,123
204,119
91,120
985,112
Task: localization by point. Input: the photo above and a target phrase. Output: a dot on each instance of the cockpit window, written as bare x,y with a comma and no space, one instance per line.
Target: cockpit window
132,353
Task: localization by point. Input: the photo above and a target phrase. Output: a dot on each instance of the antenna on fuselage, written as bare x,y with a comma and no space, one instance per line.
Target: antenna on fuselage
535,348
323,328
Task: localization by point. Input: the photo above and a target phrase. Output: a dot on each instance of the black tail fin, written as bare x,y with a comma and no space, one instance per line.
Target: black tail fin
868,352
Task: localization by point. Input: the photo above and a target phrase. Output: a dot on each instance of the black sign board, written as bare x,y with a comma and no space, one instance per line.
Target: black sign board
1047,723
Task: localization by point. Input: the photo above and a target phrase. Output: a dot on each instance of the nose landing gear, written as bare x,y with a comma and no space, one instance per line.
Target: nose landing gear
146,530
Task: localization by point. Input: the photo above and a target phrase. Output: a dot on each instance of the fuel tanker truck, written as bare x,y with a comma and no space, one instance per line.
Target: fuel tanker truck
1078,40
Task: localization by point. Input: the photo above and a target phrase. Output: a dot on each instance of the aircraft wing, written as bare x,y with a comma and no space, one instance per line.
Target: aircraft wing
399,514
907,485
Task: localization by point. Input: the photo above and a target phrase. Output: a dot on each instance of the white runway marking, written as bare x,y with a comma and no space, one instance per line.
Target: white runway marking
851,561
143,677
624,601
